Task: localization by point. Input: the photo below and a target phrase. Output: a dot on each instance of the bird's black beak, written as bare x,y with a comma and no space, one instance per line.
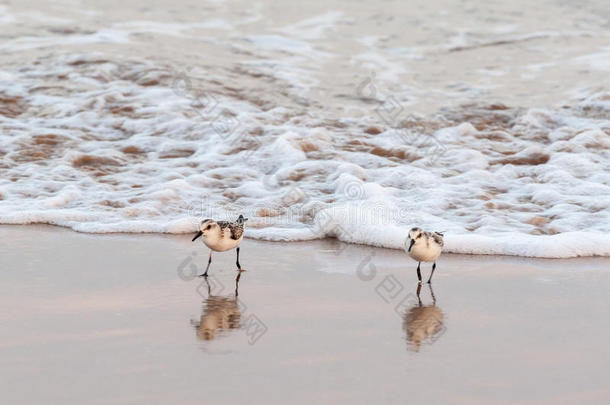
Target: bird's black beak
410,244
196,236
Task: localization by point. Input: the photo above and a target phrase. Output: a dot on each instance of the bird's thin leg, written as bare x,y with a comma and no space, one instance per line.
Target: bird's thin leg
433,268
207,268
238,266
419,272
418,291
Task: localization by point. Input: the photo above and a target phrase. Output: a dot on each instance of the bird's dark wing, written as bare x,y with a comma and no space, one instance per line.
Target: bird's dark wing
236,230
438,238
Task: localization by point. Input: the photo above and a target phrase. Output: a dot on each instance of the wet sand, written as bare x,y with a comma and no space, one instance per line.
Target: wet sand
118,319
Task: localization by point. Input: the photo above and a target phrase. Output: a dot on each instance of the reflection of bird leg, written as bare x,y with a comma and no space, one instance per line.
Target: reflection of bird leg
423,323
237,284
432,294
209,287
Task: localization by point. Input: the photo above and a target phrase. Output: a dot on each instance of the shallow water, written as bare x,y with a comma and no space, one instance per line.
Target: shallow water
113,319
488,121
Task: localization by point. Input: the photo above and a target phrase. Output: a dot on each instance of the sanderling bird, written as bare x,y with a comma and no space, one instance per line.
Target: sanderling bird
221,236
424,247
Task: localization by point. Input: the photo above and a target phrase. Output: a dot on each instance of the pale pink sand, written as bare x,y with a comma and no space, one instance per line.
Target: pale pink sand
106,319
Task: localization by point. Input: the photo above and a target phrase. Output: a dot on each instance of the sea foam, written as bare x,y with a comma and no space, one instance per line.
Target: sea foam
103,142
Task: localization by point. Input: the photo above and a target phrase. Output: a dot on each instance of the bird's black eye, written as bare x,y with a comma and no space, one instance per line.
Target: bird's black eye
419,236
208,227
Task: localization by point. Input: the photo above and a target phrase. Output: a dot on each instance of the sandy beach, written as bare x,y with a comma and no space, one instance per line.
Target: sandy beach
335,128
119,319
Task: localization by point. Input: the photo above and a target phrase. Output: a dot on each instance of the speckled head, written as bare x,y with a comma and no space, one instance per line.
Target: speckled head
241,220
414,235
207,225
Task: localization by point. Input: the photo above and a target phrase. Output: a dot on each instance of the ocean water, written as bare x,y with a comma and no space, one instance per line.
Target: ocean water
354,120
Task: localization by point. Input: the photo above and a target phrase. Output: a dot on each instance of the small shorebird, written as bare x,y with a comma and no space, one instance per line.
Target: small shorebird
424,247
221,236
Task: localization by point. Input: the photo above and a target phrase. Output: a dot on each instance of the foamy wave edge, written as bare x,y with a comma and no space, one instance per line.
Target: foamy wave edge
559,246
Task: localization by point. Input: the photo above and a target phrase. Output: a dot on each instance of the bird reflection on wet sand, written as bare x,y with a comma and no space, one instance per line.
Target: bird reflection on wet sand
219,314
423,323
